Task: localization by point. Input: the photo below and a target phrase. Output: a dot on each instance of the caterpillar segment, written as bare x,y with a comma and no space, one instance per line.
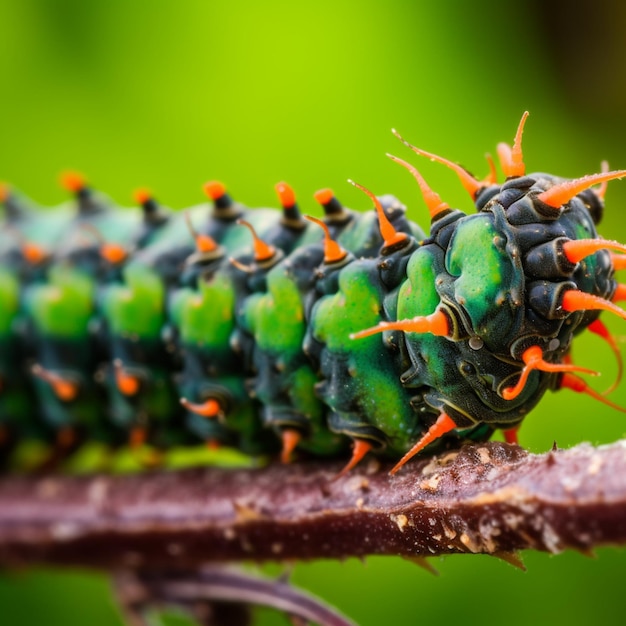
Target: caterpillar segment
275,333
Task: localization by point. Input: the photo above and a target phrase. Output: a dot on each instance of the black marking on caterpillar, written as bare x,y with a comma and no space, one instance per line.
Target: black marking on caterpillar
169,328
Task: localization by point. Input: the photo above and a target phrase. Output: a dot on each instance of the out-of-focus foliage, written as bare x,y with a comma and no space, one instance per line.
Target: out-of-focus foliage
169,94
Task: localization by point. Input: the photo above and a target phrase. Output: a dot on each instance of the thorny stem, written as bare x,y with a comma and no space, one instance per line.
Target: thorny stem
164,529
487,498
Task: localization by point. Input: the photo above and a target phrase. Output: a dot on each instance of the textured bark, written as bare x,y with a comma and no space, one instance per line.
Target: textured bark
488,498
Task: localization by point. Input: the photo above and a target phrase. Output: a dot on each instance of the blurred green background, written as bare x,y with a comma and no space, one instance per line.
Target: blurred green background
169,94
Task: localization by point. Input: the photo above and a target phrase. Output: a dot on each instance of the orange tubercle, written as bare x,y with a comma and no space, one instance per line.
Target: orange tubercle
533,359
573,382
286,195
601,191
562,193
64,389
204,243
443,425
66,437
333,252
436,206
577,249
436,323
142,195
137,437
214,189
324,196
620,293
290,438
598,328
33,253
113,253
127,384
73,181
387,231
210,408
511,159
492,177
510,435
618,261
360,447
471,184
262,250
574,300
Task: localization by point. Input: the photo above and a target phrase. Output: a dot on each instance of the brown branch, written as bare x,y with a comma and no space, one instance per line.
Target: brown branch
490,498
217,595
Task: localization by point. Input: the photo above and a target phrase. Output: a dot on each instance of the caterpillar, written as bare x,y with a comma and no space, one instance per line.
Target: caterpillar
272,333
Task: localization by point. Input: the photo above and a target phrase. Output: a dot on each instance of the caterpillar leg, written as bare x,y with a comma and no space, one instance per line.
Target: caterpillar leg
443,425
510,435
360,448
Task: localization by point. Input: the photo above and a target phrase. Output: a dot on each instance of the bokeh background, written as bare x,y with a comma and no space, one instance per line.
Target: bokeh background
169,94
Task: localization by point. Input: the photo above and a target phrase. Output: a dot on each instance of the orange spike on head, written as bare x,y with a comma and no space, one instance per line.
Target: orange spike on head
574,300
577,249
360,447
598,328
562,193
511,159
262,250
577,384
443,425
436,206
290,438
333,252
389,234
533,360
436,323
5,192
73,181
64,388
210,408
204,243
471,184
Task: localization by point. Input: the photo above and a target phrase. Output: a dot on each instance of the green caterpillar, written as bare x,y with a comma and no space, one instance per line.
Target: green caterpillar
170,328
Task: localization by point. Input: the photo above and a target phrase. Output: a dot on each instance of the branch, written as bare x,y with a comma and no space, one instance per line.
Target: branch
218,596
487,498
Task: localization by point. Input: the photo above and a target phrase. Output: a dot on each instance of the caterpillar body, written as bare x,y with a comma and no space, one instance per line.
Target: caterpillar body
170,328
